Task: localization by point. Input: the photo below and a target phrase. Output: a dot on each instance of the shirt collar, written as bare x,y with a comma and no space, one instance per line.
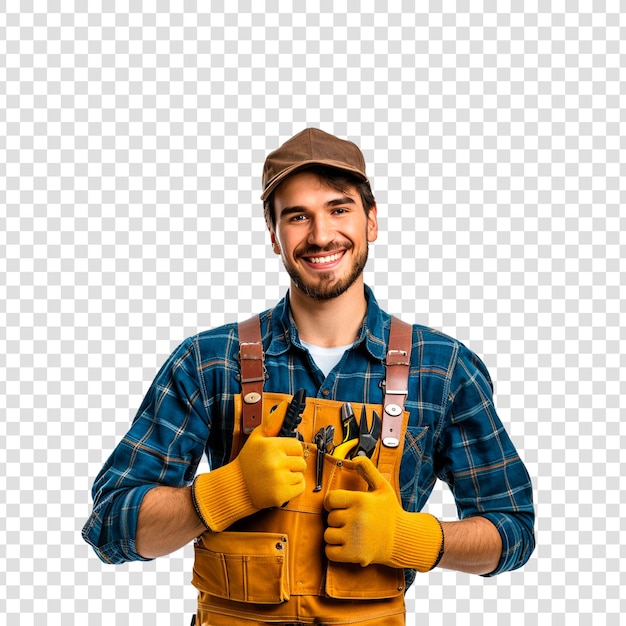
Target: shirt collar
284,333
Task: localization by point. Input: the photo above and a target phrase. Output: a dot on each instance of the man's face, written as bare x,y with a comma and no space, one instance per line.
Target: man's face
321,234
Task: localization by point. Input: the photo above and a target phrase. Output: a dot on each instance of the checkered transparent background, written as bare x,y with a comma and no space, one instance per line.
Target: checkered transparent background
132,137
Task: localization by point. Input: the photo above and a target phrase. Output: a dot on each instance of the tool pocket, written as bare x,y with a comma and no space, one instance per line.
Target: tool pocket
243,566
351,581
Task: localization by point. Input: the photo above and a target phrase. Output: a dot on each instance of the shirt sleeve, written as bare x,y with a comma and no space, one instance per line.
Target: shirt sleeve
163,447
481,465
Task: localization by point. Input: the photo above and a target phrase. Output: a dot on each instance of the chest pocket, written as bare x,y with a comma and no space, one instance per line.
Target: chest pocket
416,442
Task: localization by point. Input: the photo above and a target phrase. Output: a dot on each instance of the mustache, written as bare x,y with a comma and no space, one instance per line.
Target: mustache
329,249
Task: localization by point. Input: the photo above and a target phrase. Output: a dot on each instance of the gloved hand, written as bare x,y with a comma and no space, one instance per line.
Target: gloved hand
372,527
268,471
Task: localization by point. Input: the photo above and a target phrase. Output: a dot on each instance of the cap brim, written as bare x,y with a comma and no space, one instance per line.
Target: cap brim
303,165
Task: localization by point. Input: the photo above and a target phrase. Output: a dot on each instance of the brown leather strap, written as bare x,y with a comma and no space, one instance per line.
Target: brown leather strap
396,381
395,393
252,372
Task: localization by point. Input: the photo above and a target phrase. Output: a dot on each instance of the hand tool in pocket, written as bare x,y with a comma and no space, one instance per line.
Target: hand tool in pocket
324,442
348,423
343,450
293,417
368,436
366,442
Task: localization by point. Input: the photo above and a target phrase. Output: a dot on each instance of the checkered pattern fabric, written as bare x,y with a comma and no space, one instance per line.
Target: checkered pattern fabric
132,138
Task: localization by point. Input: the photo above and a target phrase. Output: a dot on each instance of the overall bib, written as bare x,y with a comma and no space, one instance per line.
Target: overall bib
271,567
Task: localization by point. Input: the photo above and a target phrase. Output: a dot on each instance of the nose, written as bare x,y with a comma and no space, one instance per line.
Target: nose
321,232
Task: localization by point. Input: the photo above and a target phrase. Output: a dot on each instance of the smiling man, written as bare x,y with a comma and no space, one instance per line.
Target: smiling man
310,512
322,233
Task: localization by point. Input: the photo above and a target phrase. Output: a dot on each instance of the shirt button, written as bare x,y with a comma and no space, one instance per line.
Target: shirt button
325,392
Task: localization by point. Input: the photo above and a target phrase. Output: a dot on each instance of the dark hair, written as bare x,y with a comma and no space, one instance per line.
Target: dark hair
337,179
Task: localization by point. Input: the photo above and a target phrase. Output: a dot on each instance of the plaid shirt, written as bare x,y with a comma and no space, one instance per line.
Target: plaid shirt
453,433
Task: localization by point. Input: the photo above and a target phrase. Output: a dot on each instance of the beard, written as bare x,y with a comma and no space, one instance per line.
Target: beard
325,286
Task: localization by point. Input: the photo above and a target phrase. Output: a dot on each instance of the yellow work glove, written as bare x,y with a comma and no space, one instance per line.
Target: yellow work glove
372,527
268,471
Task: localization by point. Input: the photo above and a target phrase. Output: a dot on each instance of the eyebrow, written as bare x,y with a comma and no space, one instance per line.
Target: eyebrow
338,201
331,203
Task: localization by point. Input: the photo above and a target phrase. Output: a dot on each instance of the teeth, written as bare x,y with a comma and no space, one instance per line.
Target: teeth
325,259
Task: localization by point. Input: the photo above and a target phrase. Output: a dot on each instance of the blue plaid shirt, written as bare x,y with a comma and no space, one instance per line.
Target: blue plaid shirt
453,434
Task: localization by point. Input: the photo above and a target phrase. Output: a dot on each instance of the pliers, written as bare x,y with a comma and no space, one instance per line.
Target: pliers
367,440
368,437
348,423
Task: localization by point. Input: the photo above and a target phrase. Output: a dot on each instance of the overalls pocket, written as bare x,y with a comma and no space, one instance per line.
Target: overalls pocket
243,566
351,581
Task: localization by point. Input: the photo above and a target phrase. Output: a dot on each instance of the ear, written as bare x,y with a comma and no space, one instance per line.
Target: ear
274,241
372,224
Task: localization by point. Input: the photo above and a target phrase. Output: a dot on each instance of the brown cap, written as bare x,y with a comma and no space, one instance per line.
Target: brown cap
311,147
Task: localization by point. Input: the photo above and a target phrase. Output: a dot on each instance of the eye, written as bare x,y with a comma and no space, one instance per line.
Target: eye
300,217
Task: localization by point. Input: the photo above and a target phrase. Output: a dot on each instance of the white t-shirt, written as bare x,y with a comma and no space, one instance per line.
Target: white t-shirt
326,358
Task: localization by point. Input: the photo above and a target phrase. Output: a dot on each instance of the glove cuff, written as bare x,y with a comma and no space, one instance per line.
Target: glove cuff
221,497
418,542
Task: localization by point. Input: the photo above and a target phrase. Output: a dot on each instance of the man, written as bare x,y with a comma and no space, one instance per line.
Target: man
325,527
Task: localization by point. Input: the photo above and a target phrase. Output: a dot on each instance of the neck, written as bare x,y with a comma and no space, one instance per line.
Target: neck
329,323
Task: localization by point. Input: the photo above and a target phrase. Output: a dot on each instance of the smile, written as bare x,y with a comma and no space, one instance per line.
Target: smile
325,259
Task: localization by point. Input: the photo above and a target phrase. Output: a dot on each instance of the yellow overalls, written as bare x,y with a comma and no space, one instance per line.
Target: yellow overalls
271,567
